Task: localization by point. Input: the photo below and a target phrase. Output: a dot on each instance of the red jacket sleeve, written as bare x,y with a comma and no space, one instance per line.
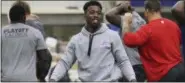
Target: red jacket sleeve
138,38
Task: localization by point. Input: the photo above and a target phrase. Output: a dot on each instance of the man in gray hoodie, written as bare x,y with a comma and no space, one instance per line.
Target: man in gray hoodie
115,17
98,51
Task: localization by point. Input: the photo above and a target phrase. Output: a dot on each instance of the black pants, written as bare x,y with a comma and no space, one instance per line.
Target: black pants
140,74
176,74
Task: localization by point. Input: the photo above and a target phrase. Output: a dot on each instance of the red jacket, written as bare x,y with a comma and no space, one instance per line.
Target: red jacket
159,46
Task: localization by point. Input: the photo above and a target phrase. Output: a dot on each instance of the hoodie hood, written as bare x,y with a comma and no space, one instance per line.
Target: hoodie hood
102,29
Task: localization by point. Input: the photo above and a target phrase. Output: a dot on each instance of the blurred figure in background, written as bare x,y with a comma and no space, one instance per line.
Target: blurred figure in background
59,48
98,51
21,44
179,14
114,17
159,44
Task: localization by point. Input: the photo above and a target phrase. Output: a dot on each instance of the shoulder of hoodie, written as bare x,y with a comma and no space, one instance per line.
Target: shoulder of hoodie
75,37
109,32
112,33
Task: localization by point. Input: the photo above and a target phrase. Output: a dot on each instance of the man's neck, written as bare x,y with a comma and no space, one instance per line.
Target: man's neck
27,16
155,16
92,29
13,22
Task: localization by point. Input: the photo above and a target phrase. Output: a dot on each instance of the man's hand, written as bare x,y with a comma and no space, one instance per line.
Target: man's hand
126,25
128,18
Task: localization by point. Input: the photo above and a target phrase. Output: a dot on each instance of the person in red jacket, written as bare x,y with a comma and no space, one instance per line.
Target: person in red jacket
159,44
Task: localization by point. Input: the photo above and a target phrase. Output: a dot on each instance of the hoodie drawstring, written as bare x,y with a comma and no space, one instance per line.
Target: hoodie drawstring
90,44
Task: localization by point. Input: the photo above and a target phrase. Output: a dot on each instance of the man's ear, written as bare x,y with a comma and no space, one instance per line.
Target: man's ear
147,10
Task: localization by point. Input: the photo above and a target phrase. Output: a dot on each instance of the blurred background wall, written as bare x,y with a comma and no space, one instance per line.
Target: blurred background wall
62,19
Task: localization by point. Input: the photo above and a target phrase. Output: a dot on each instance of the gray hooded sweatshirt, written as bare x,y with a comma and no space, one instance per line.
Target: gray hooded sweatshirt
100,56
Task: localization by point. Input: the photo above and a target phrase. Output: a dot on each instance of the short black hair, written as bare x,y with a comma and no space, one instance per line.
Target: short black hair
91,3
17,13
153,5
24,5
